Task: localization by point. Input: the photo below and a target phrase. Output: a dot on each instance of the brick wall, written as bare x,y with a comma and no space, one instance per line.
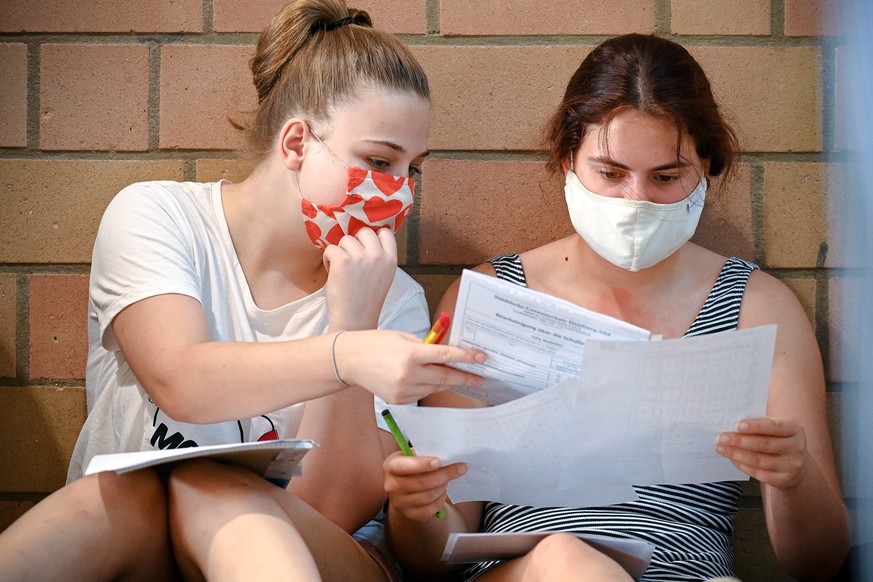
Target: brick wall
101,93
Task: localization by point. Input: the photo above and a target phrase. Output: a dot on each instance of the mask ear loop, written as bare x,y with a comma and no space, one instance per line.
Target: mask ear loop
330,151
327,147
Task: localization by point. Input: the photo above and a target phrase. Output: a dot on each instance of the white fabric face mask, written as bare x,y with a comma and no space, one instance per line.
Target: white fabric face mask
632,234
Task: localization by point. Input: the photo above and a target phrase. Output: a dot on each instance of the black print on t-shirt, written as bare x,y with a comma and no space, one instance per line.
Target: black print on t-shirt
163,439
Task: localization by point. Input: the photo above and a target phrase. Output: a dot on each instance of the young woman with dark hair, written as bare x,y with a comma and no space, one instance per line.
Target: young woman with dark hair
639,139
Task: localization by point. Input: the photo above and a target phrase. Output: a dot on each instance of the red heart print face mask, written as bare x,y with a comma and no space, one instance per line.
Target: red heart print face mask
373,199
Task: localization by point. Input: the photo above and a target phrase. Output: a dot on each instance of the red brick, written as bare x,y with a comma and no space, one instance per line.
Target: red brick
814,17
726,224
8,324
766,91
13,95
472,210
201,88
806,205
546,17
51,208
40,427
738,17
395,16
495,98
101,16
94,97
58,326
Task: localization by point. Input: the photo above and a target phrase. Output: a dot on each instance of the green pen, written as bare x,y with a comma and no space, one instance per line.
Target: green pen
403,444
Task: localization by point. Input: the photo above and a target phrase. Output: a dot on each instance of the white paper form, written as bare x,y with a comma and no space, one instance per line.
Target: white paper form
533,340
275,460
676,395
513,451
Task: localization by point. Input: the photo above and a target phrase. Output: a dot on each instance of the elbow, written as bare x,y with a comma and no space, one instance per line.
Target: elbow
171,392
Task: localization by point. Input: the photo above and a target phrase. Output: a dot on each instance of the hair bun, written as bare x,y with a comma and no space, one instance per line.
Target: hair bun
361,17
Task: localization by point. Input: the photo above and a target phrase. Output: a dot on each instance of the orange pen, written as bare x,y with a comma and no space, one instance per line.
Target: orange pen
439,329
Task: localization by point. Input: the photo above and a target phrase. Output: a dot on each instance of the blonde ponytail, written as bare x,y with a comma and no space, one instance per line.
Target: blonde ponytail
313,55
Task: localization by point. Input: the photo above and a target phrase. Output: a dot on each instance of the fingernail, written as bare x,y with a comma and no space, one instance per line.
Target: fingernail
462,469
480,357
435,464
724,439
719,449
743,426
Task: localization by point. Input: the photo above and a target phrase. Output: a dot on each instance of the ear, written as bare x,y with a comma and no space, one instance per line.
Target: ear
291,139
565,165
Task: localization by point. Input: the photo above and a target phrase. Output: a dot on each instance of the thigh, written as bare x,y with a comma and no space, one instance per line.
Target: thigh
230,523
339,557
93,529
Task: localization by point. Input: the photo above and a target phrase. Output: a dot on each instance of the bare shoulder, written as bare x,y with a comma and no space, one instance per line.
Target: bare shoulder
769,300
546,253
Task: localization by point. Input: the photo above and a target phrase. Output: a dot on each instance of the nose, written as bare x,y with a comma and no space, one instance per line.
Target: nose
637,188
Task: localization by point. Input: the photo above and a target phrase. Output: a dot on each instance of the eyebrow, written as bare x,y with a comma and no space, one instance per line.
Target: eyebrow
394,146
611,162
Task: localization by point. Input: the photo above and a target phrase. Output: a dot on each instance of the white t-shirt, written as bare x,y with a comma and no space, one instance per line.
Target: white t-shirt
169,237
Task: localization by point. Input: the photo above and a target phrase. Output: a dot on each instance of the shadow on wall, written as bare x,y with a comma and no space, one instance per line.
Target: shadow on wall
39,430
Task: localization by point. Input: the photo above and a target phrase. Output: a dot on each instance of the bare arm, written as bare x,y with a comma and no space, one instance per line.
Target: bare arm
789,451
166,342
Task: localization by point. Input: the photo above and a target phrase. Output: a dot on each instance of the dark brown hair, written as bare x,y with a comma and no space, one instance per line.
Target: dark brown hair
315,54
651,75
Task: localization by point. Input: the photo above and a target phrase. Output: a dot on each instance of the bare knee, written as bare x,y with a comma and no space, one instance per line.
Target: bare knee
566,557
555,549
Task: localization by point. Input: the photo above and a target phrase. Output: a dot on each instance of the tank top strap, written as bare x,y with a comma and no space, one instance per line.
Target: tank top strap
509,268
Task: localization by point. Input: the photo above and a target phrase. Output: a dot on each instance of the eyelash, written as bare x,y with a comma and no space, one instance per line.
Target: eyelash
381,165
378,164
613,176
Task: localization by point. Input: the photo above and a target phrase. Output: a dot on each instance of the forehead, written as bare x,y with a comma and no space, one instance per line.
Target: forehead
379,114
636,136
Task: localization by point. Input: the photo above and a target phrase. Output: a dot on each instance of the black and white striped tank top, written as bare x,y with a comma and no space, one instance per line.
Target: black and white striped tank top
690,525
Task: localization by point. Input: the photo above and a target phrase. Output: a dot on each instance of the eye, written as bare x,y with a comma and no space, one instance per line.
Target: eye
608,175
666,178
378,164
